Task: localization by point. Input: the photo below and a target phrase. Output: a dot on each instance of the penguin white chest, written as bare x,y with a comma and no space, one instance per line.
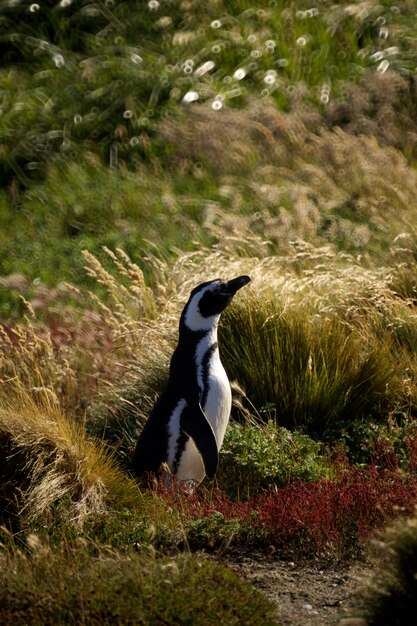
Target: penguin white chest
216,403
216,398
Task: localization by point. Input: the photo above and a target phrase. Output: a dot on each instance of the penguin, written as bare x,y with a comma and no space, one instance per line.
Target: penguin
187,424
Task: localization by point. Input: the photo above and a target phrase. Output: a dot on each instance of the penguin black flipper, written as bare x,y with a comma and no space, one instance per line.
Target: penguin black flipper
150,450
194,423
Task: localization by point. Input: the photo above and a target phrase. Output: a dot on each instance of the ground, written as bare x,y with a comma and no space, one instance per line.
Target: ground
305,594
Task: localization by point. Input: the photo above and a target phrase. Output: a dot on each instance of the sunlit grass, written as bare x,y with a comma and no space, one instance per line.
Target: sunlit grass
69,584
46,457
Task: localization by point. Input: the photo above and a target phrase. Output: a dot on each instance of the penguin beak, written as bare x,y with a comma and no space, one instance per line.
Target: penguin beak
231,286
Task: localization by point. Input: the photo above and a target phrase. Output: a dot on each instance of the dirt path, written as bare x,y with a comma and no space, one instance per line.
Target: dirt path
305,594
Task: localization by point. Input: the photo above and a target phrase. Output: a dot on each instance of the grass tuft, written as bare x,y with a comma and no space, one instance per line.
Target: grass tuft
67,584
388,595
314,373
46,457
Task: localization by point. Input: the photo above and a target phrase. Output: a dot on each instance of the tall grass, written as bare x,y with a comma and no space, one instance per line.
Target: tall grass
46,457
314,343
314,373
173,143
318,350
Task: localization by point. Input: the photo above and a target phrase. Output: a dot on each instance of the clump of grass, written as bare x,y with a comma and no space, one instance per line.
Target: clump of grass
67,584
58,350
388,595
314,372
46,456
73,344
378,105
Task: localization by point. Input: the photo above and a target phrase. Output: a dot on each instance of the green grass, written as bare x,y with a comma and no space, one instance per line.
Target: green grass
68,585
84,206
313,372
105,86
388,594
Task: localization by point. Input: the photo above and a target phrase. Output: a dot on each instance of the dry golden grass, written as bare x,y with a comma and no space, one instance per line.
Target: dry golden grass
46,456
287,175
28,359
379,105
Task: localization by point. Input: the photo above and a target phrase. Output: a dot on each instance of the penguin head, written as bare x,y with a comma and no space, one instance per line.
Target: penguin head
208,300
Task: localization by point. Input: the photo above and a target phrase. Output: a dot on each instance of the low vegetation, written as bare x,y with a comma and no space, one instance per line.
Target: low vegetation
389,595
71,585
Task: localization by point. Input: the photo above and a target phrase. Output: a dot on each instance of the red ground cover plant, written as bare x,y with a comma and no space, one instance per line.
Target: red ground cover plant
335,516
323,518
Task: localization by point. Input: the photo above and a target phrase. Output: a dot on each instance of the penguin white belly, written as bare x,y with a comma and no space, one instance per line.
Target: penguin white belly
191,466
218,402
217,405
217,410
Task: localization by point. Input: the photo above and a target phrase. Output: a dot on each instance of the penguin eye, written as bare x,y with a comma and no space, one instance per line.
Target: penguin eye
217,287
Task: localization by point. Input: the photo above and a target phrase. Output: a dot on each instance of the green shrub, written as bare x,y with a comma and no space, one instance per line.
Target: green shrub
389,594
68,586
256,457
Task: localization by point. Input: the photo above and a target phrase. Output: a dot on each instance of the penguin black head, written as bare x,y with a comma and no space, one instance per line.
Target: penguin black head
208,300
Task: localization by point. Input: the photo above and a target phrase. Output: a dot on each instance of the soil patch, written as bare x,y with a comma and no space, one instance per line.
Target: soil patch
306,594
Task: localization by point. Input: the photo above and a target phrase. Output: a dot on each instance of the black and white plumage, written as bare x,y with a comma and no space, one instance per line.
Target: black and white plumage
187,424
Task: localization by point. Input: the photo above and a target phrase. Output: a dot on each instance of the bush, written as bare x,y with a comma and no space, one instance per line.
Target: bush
258,457
389,594
68,586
